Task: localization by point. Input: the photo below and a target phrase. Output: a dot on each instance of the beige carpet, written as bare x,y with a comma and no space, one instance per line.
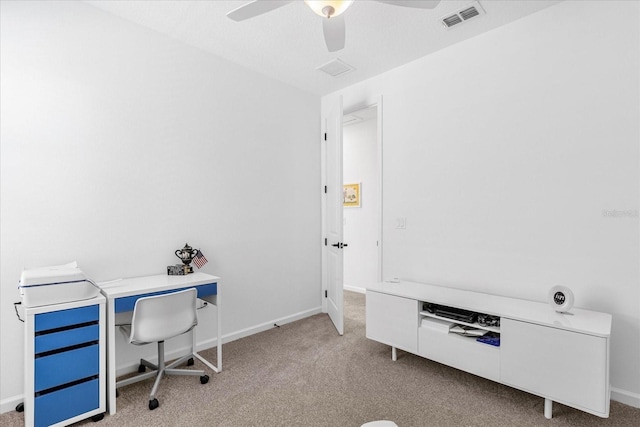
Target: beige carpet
305,374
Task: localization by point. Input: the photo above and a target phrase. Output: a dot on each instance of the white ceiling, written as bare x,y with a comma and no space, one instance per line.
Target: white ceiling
287,44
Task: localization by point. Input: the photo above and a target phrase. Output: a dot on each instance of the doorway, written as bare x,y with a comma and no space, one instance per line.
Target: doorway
361,219
333,207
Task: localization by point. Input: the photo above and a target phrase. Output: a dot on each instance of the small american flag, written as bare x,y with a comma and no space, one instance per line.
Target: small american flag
200,260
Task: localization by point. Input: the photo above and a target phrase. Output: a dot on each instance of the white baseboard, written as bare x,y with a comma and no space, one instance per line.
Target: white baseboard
210,343
10,403
265,326
626,397
354,289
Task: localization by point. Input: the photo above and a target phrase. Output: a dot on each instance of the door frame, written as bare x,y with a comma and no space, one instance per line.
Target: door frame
353,107
378,104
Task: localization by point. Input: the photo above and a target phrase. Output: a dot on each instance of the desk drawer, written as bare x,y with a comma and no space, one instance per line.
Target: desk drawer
66,338
64,318
128,303
67,403
65,367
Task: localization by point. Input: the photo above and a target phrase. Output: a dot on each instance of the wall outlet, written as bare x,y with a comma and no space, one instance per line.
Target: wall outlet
401,223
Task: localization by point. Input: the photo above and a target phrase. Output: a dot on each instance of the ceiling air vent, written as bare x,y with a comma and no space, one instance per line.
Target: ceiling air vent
335,68
469,11
452,20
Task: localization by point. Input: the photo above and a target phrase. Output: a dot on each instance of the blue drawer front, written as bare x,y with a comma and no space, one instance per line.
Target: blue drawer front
66,338
127,303
62,318
62,368
63,404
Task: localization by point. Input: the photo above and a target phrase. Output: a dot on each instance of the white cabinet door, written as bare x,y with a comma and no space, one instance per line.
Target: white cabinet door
392,320
566,367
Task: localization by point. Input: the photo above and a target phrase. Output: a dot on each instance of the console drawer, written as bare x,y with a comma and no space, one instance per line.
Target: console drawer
460,352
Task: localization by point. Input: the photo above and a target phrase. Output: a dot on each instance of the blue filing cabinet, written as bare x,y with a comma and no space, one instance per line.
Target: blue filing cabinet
65,362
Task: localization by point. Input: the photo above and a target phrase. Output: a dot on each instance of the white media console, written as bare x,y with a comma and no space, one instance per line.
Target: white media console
562,357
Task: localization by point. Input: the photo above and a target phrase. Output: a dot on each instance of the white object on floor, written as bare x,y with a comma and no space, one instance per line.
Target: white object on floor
380,423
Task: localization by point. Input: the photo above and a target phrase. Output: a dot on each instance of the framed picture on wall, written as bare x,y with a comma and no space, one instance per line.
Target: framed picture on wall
351,194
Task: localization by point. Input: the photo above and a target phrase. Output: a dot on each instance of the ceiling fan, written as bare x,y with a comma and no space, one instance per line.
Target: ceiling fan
332,24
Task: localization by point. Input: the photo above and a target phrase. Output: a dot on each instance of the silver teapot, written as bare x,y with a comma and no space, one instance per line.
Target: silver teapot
186,254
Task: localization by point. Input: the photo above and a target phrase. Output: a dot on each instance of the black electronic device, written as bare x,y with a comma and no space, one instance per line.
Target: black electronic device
456,314
429,308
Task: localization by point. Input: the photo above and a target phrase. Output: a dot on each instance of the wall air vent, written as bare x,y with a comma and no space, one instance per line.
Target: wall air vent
335,68
469,11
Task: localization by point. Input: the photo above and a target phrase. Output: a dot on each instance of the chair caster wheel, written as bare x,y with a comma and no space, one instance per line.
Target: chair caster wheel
190,362
97,417
141,368
20,407
204,379
153,404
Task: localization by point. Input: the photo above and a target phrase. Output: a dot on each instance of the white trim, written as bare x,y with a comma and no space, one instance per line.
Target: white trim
266,326
203,345
626,397
323,207
9,404
355,289
375,101
380,182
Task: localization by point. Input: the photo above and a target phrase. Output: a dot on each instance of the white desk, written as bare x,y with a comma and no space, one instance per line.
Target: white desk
121,296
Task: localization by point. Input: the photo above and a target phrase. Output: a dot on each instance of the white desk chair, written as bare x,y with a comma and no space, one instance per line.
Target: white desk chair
156,319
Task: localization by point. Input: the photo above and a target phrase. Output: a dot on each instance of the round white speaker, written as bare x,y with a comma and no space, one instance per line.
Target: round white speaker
561,298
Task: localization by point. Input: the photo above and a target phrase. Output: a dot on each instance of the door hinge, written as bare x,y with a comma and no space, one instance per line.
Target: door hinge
325,136
325,189
325,294
325,241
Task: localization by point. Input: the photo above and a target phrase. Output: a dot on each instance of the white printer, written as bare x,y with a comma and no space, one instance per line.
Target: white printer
55,285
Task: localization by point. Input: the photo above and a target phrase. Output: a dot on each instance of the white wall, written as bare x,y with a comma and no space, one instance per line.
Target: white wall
360,228
507,152
118,145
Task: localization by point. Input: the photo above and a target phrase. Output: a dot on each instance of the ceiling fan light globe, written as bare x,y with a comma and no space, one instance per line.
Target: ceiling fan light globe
324,7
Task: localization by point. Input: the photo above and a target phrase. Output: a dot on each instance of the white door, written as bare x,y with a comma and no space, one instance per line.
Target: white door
333,216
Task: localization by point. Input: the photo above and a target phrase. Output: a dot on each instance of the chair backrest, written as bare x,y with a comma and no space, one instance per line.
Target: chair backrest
160,317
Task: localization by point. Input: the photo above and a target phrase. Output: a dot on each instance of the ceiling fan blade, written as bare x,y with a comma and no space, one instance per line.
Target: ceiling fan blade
417,4
255,8
334,33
